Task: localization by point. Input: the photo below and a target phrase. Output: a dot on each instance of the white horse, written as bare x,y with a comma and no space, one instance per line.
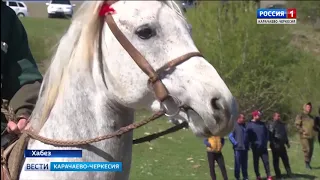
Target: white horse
84,96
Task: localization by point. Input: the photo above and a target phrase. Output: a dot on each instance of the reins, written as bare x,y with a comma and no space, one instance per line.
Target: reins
9,114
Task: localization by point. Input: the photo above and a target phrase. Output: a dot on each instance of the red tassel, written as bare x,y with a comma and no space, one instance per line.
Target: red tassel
106,9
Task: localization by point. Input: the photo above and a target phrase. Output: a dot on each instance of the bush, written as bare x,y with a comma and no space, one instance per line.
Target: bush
257,62
308,12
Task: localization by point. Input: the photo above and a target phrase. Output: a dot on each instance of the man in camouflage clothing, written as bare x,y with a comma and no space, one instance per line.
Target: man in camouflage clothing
20,77
305,125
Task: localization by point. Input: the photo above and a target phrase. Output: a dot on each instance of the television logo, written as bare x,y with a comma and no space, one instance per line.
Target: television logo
277,16
75,166
37,167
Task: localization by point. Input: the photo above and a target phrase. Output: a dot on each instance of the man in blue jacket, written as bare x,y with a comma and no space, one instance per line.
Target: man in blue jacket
257,133
240,144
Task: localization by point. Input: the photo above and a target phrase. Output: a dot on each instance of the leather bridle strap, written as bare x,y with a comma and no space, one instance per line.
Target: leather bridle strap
159,88
177,61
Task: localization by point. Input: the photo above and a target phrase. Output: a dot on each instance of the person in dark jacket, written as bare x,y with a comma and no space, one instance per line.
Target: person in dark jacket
240,143
278,139
20,77
257,133
317,124
214,146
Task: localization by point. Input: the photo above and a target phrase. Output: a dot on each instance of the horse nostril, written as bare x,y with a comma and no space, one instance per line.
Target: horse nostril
214,103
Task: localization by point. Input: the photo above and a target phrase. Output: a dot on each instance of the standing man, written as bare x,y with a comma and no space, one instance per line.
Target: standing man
317,124
278,139
305,125
240,144
214,146
257,133
20,78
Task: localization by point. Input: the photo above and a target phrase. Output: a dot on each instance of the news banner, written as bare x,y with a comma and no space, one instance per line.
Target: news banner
67,166
277,16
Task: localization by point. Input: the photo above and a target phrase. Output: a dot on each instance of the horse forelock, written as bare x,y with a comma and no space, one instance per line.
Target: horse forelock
75,50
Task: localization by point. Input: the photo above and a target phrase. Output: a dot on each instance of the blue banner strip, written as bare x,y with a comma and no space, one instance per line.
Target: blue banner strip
86,166
271,13
52,153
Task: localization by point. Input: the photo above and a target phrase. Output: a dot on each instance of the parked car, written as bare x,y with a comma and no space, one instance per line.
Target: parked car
276,6
20,8
186,4
60,8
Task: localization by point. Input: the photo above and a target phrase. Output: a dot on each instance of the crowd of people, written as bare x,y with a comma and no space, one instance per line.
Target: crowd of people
255,135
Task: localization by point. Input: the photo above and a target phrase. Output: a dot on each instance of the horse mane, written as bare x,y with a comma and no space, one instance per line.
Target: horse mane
77,44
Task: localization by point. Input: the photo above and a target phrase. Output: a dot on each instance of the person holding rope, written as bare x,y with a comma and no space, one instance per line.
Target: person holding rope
305,124
20,77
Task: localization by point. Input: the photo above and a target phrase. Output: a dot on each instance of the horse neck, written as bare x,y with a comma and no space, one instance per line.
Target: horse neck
85,110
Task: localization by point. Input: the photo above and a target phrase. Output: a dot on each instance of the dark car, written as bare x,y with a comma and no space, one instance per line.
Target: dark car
276,6
188,4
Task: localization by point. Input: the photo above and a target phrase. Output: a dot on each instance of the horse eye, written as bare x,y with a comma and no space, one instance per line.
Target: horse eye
145,32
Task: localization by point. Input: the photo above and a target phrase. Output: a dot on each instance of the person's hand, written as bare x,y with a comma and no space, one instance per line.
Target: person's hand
209,145
304,133
16,128
236,144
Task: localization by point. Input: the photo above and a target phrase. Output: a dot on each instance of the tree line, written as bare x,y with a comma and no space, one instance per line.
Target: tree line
259,63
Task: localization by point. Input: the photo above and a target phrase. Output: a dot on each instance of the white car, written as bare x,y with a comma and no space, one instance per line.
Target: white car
20,8
62,8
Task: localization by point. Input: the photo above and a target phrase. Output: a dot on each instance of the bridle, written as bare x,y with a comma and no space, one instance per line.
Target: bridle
159,89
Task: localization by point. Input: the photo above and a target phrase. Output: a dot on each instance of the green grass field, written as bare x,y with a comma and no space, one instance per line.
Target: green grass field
43,35
178,156
39,9
182,156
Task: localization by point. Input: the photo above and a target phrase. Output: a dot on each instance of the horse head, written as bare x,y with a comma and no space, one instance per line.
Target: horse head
160,33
